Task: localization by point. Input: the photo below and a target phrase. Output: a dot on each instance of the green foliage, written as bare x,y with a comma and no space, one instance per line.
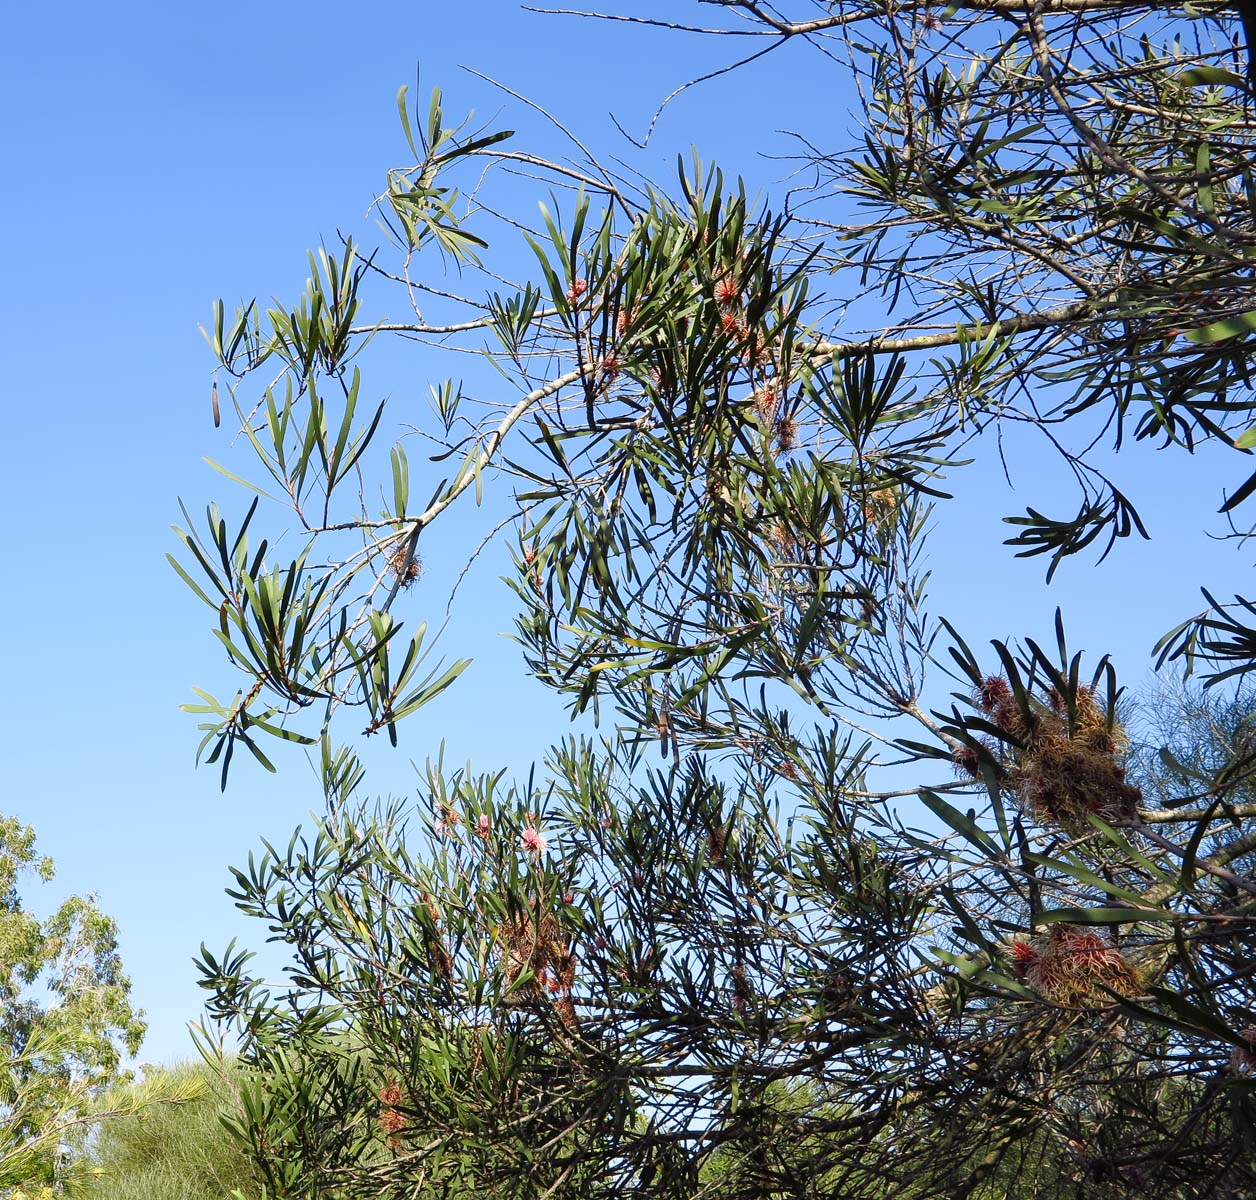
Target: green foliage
175,1151
738,966
65,1018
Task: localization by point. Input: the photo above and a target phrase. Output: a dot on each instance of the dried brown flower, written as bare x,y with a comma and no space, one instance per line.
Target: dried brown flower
1075,966
405,564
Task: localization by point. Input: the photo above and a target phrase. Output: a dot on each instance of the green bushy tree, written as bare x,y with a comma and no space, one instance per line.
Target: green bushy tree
604,979
177,1151
66,1020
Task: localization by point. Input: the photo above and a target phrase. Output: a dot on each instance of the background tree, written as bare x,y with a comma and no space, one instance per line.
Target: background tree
65,1020
605,979
173,1152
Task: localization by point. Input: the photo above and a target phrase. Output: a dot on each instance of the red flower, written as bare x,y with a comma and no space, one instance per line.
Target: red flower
967,759
1091,951
390,1120
1023,955
995,692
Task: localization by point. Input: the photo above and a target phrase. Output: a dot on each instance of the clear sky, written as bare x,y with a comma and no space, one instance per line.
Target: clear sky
158,156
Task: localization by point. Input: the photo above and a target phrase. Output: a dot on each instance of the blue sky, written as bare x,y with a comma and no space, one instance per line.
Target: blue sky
159,156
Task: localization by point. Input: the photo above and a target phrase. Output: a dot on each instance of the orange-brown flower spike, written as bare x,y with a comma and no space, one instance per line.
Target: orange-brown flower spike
786,435
717,838
1076,967
405,564
995,692
967,761
765,404
1023,956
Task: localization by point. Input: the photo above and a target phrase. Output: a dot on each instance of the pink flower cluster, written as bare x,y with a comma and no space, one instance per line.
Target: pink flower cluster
532,841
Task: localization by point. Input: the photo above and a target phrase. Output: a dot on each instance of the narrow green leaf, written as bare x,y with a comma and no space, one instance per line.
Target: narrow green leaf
244,483
1104,916
1227,327
960,822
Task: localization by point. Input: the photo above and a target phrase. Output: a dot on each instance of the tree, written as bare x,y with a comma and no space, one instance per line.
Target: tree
65,1020
173,1152
604,980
